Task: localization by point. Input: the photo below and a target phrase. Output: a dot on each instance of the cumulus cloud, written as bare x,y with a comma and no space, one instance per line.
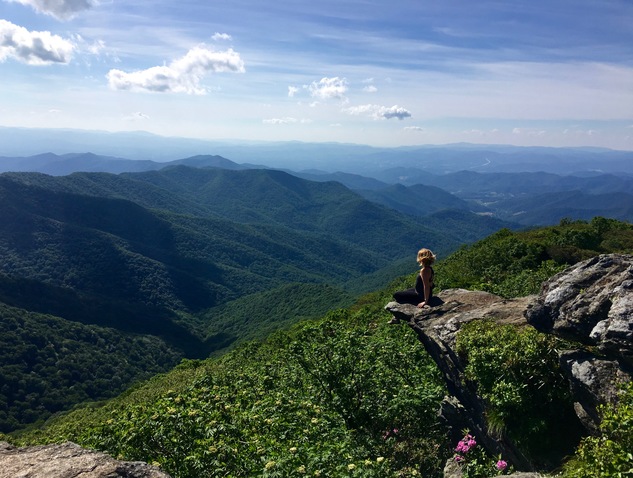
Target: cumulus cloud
292,90
328,88
60,9
32,47
379,112
370,89
221,37
180,76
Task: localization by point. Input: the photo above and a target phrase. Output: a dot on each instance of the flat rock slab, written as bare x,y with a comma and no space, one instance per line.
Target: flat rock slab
68,460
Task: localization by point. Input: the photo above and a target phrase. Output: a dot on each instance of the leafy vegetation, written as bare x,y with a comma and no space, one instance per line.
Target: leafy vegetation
346,395
517,373
513,264
610,454
50,364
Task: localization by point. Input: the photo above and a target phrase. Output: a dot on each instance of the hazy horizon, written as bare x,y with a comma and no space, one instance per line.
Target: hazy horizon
548,73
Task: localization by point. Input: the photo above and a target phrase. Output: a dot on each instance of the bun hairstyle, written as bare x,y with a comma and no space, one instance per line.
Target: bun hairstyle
425,257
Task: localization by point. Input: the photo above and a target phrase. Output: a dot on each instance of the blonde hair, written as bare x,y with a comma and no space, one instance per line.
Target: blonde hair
425,257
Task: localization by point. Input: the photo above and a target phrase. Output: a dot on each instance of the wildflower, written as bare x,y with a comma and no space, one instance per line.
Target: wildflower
293,449
380,459
466,444
271,464
368,462
351,466
301,469
501,465
314,421
459,458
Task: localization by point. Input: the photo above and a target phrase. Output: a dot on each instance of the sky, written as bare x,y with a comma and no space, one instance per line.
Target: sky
376,72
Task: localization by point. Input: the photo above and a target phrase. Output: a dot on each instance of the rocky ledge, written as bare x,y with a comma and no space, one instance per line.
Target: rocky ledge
590,303
68,461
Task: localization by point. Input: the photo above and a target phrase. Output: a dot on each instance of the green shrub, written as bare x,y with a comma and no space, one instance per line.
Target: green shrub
347,395
517,373
610,454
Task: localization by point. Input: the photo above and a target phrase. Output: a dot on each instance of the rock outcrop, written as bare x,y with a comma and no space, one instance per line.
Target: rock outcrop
437,329
68,461
590,303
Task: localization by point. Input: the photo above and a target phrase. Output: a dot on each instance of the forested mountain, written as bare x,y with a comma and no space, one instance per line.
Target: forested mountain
60,165
470,184
418,200
528,199
177,263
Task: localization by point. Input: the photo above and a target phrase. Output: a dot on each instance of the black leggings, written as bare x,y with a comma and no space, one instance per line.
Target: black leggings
408,296
414,296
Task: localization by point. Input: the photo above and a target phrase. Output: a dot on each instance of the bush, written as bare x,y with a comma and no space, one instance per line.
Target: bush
610,454
347,395
517,373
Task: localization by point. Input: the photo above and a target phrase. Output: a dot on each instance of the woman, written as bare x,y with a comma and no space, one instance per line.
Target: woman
421,294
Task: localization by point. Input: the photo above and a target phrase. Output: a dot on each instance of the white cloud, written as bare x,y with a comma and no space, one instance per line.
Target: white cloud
136,116
328,88
528,131
286,120
221,37
379,112
32,47
370,89
292,90
413,128
60,9
180,76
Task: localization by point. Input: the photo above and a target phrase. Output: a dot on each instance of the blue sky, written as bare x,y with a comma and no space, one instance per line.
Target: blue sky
377,72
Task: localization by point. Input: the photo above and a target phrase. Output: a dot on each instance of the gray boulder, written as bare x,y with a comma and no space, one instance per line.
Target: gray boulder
591,303
68,460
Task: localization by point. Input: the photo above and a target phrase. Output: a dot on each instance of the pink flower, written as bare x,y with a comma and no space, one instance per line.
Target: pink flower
459,458
501,465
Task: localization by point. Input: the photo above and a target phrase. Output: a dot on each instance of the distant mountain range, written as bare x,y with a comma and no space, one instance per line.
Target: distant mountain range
407,165
509,196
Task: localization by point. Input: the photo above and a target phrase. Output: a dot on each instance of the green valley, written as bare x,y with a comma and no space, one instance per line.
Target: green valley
181,263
